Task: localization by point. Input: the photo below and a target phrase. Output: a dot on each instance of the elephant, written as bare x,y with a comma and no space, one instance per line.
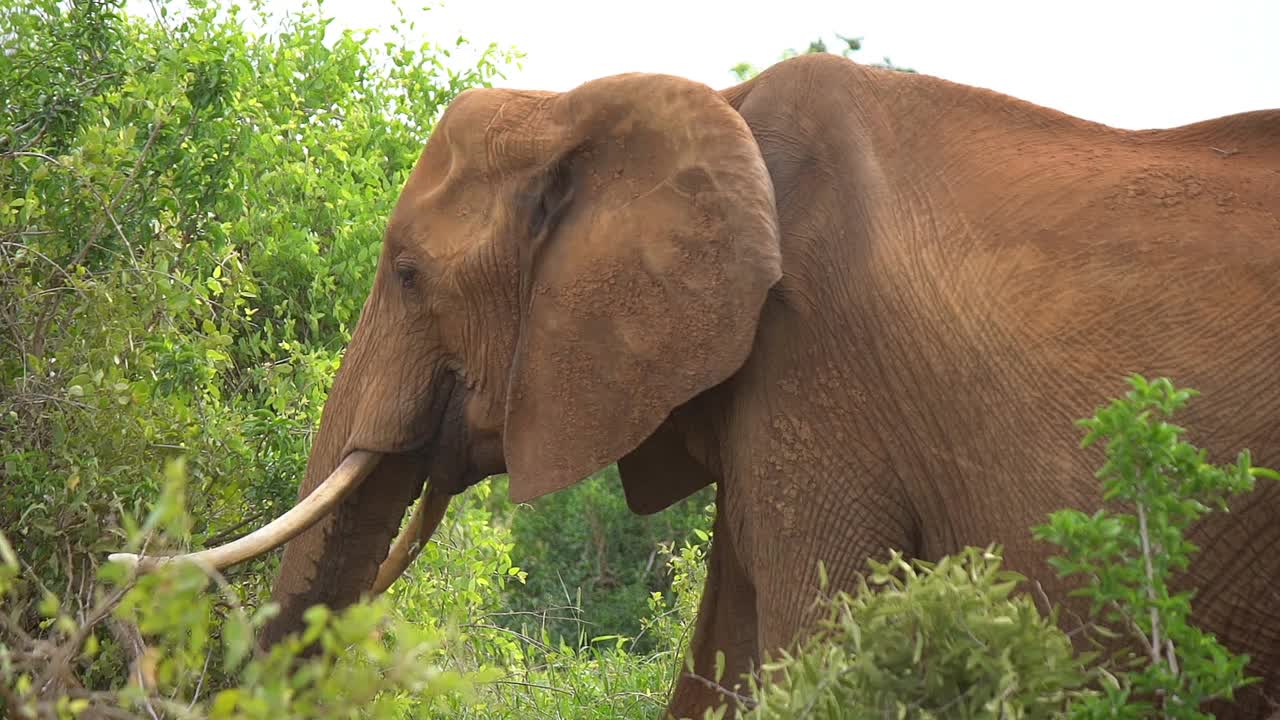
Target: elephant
866,305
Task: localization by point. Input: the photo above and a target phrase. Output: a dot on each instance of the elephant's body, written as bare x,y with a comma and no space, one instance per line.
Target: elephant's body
964,275
868,305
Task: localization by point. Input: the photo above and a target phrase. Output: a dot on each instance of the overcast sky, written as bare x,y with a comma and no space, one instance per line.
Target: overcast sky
1128,63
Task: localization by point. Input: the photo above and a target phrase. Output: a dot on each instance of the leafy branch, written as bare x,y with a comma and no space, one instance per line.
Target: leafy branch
1129,560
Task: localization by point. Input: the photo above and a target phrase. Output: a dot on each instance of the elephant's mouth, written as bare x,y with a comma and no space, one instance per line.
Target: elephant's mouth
443,452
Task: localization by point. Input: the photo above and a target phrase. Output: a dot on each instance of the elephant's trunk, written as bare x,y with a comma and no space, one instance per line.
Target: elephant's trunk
375,404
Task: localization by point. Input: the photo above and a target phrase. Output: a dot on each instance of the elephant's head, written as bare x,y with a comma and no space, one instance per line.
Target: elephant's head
560,273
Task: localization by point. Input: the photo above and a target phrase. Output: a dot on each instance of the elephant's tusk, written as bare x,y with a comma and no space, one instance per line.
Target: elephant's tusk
347,477
426,517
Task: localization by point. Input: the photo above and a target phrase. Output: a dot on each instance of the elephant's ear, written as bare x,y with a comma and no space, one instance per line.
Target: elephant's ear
654,247
660,472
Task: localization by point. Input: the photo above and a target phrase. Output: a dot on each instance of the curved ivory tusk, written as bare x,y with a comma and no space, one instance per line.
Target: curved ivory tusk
347,477
426,517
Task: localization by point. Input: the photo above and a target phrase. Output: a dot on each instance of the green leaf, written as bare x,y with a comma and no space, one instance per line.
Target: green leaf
237,638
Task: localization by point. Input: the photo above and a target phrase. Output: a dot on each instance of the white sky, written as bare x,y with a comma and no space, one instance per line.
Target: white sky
1128,63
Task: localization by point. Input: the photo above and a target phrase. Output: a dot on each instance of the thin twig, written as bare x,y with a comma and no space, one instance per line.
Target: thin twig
743,699
230,533
1153,647
536,686
515,633
200,683
61,665
42,322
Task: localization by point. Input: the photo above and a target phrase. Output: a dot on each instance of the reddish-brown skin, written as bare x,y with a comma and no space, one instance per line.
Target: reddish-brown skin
869,305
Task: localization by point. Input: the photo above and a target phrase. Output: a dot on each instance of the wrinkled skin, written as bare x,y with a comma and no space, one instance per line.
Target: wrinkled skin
868,305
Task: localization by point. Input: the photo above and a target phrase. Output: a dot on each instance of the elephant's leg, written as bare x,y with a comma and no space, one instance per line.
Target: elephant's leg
839,528
726,622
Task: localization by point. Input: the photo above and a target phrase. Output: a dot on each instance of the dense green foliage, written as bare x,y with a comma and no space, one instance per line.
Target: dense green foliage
928,641
592,563
190,216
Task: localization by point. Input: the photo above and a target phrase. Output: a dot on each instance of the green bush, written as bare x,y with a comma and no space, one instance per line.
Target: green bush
922,640
190,216
430,646
369,663
1129,559
466,578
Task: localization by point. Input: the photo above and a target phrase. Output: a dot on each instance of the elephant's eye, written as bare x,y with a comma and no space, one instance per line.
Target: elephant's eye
407,273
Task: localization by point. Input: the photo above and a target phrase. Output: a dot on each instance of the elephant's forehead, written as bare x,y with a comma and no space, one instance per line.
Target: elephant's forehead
454,190
450,216
492,128
484,134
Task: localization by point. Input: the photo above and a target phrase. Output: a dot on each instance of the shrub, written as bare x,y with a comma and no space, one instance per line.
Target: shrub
923,640
368,664
1129,559
430,646
190,216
